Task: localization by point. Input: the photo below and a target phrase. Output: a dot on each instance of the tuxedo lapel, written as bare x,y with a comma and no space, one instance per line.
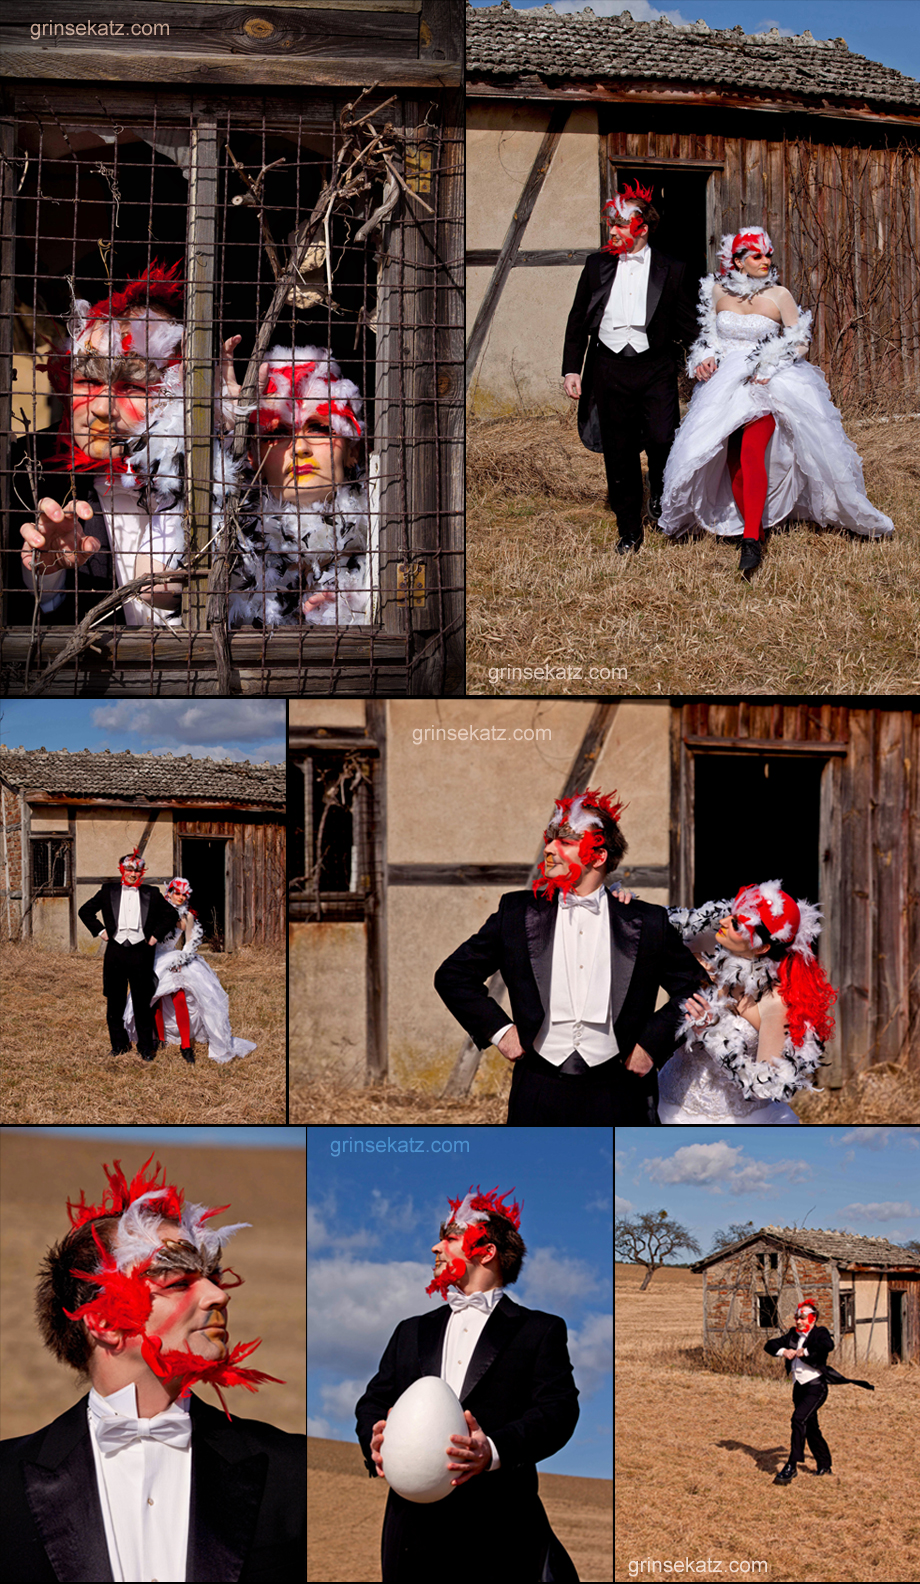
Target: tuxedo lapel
63,1497
625,932
539,925
431,1340
228,1481
497,1332
657,275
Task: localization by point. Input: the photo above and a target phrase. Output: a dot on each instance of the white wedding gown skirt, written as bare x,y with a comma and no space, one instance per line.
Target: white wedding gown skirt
814,472
694,1088
207,1001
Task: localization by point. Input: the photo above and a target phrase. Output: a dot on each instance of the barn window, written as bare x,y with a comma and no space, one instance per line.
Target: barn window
847,1312
330,815
52,865
231,190
767,1261
767,1312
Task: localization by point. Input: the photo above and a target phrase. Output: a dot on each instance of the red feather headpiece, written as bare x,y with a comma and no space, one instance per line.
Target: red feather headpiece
156,285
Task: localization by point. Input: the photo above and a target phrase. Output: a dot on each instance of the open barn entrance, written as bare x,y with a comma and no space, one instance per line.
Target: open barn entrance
204,867
768,806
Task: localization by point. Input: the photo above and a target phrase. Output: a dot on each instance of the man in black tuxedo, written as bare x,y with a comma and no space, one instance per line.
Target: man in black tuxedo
114,1485
134,918
511,1370
633,309
583,1053
805,1347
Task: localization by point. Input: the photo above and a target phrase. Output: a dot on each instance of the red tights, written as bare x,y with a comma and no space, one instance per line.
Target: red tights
746,450
180,1007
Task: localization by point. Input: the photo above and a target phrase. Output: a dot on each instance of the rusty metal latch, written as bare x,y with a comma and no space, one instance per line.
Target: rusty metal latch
410,584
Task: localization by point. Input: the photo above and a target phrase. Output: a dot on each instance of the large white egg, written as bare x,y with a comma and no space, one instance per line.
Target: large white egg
418,1429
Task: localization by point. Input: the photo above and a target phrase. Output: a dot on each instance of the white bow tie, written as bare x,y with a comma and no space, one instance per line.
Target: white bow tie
174,1427
469,1301
593,901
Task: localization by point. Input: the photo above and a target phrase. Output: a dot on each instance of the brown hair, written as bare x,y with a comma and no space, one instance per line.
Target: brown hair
69,1340
509,1245
615,842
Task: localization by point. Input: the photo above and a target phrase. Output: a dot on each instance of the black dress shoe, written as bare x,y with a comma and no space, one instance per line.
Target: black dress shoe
786,1474
623,545
751,554
824,1471
654,507
189,1053
147,1055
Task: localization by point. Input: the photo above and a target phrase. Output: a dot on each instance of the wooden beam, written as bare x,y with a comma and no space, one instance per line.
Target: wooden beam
304,739
198,360
535,92
534,258
763,745
153,68
376,910
524,209
510,874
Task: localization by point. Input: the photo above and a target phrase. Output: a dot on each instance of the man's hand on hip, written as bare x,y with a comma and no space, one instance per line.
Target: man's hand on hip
510,1046
639,1061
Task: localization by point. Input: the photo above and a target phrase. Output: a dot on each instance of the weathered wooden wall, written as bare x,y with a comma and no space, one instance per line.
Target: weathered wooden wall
257,886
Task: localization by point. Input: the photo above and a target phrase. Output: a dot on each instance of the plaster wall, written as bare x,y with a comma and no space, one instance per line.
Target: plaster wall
327,1001
326,712
872,1300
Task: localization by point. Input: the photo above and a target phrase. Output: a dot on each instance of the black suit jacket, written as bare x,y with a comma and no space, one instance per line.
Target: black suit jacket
670,323
247,1519
517,941
91,582
818,1343
519,1387
158,917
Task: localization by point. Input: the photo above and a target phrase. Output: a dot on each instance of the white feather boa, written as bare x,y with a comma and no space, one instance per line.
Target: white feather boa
730,1038
190,950
289,552
767,354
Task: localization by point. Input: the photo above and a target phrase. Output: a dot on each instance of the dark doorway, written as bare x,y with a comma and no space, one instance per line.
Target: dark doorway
896,1311
756,819
680,198
203,865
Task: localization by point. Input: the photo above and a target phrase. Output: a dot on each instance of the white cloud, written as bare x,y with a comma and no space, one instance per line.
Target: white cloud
549,1280
199,727
878,1138
591,1350
321,1231
602,1202
319,1427
339,1399
880,1212
623,1206
353,1307
722,1168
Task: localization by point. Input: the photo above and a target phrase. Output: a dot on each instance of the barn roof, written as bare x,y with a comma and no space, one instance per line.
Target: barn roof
846,1248
134,777
541,43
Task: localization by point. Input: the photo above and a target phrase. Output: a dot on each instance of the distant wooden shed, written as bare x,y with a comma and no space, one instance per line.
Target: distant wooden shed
67,818
867,1292
796,134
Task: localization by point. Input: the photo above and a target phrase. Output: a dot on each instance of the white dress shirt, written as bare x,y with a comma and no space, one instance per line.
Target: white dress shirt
144,1491
802,1372
464,1328
157,535
578,1017
128,931
623,323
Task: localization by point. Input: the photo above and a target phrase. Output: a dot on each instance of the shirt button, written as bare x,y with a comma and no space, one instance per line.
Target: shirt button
149,1501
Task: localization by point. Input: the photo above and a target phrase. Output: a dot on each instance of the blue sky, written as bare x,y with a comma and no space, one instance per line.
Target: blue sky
883,30
373,1216
206,1137
233,729
863,1179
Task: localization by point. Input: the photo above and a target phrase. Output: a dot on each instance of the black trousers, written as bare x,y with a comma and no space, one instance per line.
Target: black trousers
540,1094
638,410
635,1096
807,1400
124,968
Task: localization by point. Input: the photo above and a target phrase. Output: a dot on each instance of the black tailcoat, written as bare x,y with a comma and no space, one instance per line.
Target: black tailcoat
517,941
158,917
247,1518
818,1344
519,1388
671,323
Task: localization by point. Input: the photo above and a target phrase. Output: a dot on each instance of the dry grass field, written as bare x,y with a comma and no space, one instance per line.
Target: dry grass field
318,1102
696,1453
345,1517
266,1187
54,1047
827,613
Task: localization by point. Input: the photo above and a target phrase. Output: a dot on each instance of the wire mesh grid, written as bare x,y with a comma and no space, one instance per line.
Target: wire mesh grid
232,460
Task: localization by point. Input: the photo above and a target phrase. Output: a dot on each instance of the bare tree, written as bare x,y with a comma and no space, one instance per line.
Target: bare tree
649,1239
735,1234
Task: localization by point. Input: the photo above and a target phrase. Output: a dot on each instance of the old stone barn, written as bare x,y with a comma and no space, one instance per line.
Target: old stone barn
729,129
867,1292
67,818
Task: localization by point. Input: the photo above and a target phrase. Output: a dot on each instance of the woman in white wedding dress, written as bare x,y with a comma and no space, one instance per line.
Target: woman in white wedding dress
758,1035
189,999
762,440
